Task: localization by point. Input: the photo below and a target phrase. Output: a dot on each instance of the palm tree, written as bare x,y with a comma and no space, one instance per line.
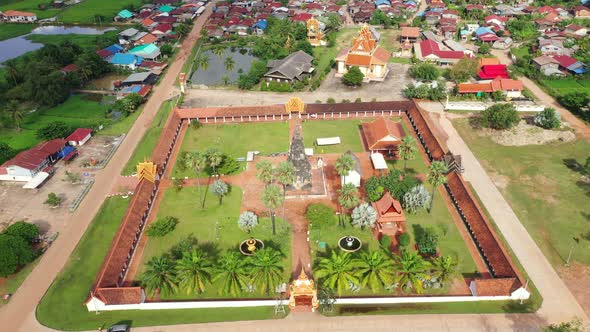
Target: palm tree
229,64
443,268
193,271
14,112
265,172
225,80
272,199
363,216
219,189
376,270
338,271
285,174
411,269
214,158
12,70
347,198
159,276
218,50
203,61
198,162
344,164
407,150
232,269
436,177
266,269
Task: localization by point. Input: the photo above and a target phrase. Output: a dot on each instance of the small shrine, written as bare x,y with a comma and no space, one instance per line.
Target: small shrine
303,293
315,35
299,159
147,170
295,105
365,54
391,220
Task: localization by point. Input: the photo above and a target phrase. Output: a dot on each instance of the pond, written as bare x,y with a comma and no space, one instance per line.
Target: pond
216,69
15,47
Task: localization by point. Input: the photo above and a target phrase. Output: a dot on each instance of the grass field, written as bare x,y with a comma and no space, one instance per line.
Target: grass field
201,223
8,31
85,41
29,6
565,86
347,130
150,138
236,140
86,11
546,194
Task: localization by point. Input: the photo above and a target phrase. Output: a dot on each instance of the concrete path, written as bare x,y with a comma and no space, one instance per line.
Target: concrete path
559,304
19,314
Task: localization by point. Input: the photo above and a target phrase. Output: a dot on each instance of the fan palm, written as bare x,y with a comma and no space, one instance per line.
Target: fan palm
12,70
197,162
338,271
203,61
265,172
436,177
266,269
344,164
272,199
407,150
193,272
347,198
411,270
214,158
376,270
443,268
159,276
229,64
218,50
232,269
14,113
219,189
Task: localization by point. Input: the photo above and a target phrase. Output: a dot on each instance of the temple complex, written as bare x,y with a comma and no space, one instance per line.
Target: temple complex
365,54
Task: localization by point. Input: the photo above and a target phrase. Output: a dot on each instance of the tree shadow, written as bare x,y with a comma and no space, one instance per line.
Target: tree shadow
475,122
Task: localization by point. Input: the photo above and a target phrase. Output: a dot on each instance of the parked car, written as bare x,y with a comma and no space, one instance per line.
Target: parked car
119,328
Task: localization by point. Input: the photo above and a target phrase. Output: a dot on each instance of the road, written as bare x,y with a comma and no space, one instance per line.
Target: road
578,125
19,315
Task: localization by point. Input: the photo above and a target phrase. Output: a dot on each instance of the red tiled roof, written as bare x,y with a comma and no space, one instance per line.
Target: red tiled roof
564,60
381,56
104,53
69,68
431,47
410,32
17,13
79,134
375,132
496,286
302,17
31,159
493,71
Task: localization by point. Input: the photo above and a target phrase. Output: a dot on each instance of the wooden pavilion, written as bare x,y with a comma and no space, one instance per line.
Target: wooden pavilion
391,220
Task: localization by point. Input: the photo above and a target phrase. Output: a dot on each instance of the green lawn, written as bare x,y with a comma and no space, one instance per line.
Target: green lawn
549,197
123,125
347,130
564,86
85,41
236,140
404,61
520,52
202,225
150,138
8,31
85,11
29,6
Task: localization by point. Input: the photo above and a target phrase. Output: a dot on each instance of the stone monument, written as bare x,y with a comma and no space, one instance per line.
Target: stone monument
299,159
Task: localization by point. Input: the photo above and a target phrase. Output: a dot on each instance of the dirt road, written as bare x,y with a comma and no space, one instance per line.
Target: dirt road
19,314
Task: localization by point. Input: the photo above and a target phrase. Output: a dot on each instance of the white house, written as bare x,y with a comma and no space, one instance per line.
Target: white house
354,175
15,16
79,136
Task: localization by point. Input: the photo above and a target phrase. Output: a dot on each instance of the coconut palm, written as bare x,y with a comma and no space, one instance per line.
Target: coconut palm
11,68
218,50
338,271
272,199
225,79
411,270
443,268
214,158
159,276
14,113
193,272
436,176
197,162
376,270
229,63
247,221
203,61
363,216
285,175
347,198
265,172
407,150
344,164
232,269
219,189
266,269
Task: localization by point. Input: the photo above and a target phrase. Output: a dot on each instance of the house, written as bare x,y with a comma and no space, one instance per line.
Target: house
15,16
148,23
130,61
496,20
126,35
383,136
146,38
576,30
512,88
124,15
490,72
296,66
581,12
551,46
428,50
162,29
571,65
146,51
547,65
365,54
354,175
503,43
140,78
410,34
142,90
486,35
391,220
79,136
69,69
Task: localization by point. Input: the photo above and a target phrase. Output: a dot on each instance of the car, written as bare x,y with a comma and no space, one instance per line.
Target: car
119,328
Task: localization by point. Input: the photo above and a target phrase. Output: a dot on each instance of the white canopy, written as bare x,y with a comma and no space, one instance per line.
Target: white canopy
36,180
378,161
328,141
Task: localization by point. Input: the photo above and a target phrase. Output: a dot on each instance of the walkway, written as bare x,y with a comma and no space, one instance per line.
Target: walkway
19,315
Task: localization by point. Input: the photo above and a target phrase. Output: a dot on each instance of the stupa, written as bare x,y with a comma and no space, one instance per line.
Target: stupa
299,159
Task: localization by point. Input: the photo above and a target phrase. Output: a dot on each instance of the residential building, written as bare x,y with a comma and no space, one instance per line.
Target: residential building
428,50
146,51
547,65
130,61
576,30
512,88
79,136
571,65
15,16
410,34
581,12
490,72
295,67
140,78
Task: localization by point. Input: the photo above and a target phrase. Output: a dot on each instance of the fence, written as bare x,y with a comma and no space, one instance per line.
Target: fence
480,106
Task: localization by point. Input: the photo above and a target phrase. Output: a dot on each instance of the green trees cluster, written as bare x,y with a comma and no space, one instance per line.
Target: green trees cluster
16,247
381,18
129,103
57,129
522,28
162,226
547,118
394,182
425,91
463,70
425,71
499,116
578,102
354,77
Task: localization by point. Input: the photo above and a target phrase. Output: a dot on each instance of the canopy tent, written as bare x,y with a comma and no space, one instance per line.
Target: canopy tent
36,180
378,161
328,141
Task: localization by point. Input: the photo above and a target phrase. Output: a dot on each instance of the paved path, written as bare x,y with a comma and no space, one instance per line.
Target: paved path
19,314
559,304
546,99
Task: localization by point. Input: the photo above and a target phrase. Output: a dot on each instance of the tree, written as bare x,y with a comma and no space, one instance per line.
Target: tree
499,116
162,226
24,230
344,164
348,196
574,101
266,269
375,270
203,61
183,29
232,270
354,77
57,129
363,216
6,152
404,240
166,49
219,189
218,50
15,114
426,240
14,253
272,199
53,200
318,213
416,199
159,276
338,271
129,103
411,270
485,48
197,162
193,272
547,118
424,71
463,70
214,158
334,22
229,64
407,150
436,176
73,177
265,172
247,221
444,267
285,175
225,79
380,18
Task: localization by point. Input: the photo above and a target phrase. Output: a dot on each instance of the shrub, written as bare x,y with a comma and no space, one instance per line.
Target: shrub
331,100
354,77
404,240
416,199
162,226
427,240
374,189
129,103
229,165
385,242
358,100
547,118
424,71
500,116
319,213
57,129
363,216
53,200
345,101
247,221
24,230
14,252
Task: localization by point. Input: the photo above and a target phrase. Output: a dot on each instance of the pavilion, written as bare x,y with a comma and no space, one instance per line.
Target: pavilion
383,136
391,220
